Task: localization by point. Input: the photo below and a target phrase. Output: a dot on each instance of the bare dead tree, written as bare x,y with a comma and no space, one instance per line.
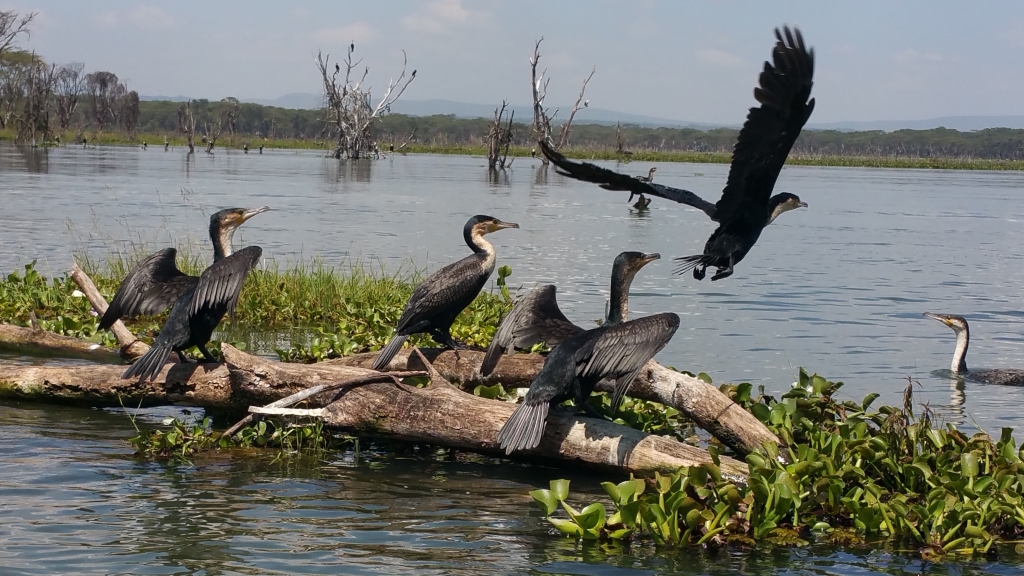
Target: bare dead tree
230,108
33,122
130,112
347,106
187,125
15,66
211,131
542,119
499,139
102,89
68,88
11,26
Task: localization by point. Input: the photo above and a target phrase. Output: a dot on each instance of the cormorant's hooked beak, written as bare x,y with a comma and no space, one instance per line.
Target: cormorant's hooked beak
499,225
648,258
937,317
254,211
801,204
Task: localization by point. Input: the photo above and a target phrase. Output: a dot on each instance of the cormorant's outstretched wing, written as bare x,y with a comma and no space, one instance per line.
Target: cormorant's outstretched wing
611,180
534,318
220,284
769,131
622,350
149,288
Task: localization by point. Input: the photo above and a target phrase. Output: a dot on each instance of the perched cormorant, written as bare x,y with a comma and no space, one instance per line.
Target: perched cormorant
642,203
617,349
436,301
649,178
765,140
156,283
144,145
1006,376
198,311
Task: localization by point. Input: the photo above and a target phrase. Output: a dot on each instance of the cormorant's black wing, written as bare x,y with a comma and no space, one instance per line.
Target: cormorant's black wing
451,287
149,288
622,350
534,318
220,284
611,180
769,131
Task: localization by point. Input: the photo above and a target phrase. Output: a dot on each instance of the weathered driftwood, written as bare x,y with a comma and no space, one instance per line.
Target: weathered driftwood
131,347
709,408
438,414
41,342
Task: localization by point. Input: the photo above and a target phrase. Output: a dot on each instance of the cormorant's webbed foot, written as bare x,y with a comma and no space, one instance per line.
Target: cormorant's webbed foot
722,274
184,359
699,272
593,412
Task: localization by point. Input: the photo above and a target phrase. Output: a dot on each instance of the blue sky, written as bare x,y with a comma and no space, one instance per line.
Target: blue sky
693,61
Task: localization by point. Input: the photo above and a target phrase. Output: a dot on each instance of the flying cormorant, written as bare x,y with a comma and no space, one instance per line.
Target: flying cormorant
437,301
765,140
617,349
156,283
197,311
1005,376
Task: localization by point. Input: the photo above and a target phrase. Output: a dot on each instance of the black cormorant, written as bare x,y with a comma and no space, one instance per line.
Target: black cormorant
617,349
156,283
436,301
1006,376
765,140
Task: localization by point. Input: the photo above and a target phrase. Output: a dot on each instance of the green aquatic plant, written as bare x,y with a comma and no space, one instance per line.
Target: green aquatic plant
852,473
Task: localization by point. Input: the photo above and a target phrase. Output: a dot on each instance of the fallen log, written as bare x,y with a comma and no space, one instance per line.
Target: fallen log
131,347
41,342
439,414
706,405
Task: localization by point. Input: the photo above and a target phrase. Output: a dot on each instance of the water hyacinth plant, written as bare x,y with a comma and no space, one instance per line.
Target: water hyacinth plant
853,474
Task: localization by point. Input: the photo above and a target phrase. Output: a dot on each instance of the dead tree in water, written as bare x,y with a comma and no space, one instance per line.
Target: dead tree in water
499,139
187,125
68,88
11,26
541,118
130,113
103,97
347,104
230,108
33,122
211,135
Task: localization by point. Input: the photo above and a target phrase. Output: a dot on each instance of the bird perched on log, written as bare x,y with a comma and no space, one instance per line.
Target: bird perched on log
764,142
438,300
1004,376
617,349
200,303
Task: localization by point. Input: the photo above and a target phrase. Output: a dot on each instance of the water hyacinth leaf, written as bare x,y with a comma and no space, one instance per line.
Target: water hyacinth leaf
567,527
546,499
613,491
969,464
761,412
868,400
560,489
592,517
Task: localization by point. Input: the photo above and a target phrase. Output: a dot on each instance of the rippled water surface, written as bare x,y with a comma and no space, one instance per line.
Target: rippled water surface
838,288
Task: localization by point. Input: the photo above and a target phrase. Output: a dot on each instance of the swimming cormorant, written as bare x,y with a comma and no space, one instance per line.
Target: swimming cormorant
764,142
617,349
437,301
156,283
1005,376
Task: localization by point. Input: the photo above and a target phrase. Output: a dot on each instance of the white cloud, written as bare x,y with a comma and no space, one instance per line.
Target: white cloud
717,57
438,16
357,32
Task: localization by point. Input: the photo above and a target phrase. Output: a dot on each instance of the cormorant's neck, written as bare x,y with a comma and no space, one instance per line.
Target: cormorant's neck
959,363
618,308
476,241
776,206
221,236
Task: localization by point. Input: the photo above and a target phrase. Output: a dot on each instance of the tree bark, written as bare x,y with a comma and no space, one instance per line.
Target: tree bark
40,342
707,406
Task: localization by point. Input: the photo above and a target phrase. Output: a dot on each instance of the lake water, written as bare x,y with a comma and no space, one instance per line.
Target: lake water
838,288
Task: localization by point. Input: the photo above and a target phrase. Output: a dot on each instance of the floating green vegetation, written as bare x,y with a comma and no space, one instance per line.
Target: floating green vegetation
851,474
348,311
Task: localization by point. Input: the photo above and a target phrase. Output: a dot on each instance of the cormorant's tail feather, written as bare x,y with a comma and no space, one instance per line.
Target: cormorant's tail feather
524,428
147,367
388,351
688,263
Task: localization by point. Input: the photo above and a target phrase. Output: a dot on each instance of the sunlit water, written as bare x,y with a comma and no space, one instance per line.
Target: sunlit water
838,288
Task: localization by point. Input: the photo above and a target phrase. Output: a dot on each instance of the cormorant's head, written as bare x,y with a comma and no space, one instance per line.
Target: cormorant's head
628,263
479,225
783,202
957,323
231,218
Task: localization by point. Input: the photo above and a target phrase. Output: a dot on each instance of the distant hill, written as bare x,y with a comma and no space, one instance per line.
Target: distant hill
307,101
